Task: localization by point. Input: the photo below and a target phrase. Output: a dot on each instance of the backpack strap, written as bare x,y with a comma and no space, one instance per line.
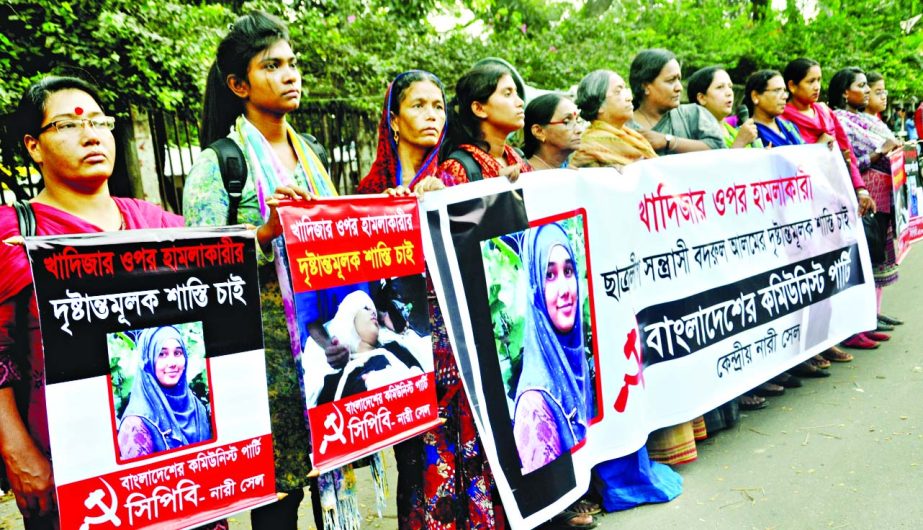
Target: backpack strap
318,150
233,169
25,216
472,168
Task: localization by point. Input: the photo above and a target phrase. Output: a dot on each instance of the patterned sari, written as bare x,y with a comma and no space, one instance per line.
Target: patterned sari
867,133
444,481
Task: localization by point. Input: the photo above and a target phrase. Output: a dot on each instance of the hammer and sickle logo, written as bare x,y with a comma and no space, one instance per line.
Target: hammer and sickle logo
95,501
333,421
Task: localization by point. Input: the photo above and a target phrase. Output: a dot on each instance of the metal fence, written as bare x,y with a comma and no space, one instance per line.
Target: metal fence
349,135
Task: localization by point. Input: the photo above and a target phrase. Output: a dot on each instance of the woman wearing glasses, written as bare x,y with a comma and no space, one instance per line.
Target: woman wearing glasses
604,98
552,131
69,138
765,97
873,143
886,273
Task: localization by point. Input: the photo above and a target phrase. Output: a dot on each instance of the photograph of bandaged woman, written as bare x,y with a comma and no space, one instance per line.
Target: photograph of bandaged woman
362,337
160,389
540,309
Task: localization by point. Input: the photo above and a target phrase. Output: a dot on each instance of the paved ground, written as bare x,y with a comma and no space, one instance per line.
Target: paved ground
841,452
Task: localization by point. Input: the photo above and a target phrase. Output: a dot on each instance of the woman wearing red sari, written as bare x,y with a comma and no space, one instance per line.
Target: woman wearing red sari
69,138
444,481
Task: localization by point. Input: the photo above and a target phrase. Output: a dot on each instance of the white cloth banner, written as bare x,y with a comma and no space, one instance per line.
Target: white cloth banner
588,308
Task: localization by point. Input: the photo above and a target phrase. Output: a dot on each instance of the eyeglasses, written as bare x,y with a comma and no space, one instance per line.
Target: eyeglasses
571,122
881,93
71,126
776,91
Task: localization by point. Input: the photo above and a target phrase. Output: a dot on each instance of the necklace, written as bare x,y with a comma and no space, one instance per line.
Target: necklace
650,122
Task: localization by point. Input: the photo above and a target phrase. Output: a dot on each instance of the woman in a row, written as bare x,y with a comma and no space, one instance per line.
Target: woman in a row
765,96
553,129
671,128
604,98
252,85
443,477
711,88
817,124
873,143
68,136
878,102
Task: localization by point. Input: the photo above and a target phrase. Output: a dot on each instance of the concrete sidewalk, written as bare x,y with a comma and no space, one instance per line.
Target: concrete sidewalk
840,452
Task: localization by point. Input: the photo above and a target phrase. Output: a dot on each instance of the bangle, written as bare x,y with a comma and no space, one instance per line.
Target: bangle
862,193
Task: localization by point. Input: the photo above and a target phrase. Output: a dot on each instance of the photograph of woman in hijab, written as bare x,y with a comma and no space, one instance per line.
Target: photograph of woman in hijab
550,384
382,344
162,412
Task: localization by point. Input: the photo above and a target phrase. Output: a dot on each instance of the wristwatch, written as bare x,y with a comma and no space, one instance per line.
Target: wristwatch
669,138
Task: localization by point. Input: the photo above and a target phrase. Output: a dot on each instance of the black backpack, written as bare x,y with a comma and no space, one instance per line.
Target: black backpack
233,168
472,168
466,159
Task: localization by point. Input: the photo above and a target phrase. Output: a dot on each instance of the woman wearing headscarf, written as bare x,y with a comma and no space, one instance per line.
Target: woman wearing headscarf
606,102
849,95
671,128
552,131
444,481
555,388
162,412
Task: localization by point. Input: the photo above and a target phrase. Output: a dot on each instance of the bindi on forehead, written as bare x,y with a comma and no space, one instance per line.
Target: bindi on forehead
78,111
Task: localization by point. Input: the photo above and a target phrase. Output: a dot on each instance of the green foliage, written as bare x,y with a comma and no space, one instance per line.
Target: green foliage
149,52
156,52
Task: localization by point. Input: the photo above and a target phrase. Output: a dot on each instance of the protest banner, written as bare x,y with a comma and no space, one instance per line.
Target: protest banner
360,328
156,393
907,216
611,304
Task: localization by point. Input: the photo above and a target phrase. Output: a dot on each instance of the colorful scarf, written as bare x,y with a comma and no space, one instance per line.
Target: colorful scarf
771,138
175,411
554,364
823,121
266,170
603,145
386,171
490,168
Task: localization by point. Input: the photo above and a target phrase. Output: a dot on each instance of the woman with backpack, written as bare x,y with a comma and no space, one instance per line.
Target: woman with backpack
486,109
252,86
68,136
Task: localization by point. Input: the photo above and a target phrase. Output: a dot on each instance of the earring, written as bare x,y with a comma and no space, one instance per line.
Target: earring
756,102
397,137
